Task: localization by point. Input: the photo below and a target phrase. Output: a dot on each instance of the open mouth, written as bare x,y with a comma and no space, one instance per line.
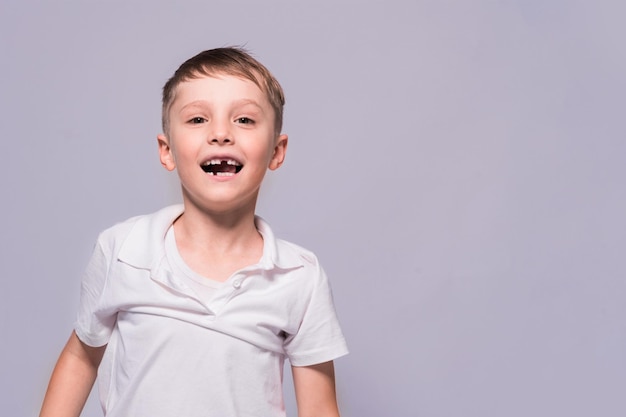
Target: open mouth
222,167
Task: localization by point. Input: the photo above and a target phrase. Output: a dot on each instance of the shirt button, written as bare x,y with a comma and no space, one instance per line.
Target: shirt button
237,283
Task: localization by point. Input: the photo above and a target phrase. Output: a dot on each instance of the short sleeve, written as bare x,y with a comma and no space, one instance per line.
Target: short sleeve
92,326
319,337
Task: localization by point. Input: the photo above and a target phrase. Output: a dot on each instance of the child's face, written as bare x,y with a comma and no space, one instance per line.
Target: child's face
222,141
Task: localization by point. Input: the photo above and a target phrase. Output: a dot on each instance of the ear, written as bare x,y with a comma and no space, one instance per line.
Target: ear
280,149
165,153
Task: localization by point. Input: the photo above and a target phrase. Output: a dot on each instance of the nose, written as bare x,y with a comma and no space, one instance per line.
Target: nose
220,140
220,134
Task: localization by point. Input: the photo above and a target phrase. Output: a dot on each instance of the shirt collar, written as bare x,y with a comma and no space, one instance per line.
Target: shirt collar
286,258
144,247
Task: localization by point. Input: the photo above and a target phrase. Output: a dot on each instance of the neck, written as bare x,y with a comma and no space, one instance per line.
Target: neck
217,232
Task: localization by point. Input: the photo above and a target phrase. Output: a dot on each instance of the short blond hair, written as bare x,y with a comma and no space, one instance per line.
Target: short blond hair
234,61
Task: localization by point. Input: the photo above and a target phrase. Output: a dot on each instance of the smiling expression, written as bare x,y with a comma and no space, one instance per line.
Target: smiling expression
221,140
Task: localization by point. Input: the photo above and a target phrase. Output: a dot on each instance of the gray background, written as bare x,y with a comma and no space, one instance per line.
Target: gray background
458,167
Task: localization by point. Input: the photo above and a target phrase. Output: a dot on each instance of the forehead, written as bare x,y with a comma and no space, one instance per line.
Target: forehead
219,89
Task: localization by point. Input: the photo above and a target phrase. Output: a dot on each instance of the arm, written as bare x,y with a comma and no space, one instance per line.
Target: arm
315,390
72,379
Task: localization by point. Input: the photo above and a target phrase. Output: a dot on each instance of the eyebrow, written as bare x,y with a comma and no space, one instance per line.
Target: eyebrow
242,102
246,101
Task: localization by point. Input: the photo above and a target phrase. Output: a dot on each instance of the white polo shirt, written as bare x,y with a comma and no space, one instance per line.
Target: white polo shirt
171,354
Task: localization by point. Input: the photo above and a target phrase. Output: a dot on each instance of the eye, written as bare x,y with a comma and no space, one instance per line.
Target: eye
197,120
244,120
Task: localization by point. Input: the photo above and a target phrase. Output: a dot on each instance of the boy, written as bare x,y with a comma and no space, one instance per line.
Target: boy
191,311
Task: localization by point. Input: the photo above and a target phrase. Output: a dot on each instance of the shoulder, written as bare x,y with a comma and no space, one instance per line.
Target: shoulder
284,254
139,229
119,229
303,267
307,257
